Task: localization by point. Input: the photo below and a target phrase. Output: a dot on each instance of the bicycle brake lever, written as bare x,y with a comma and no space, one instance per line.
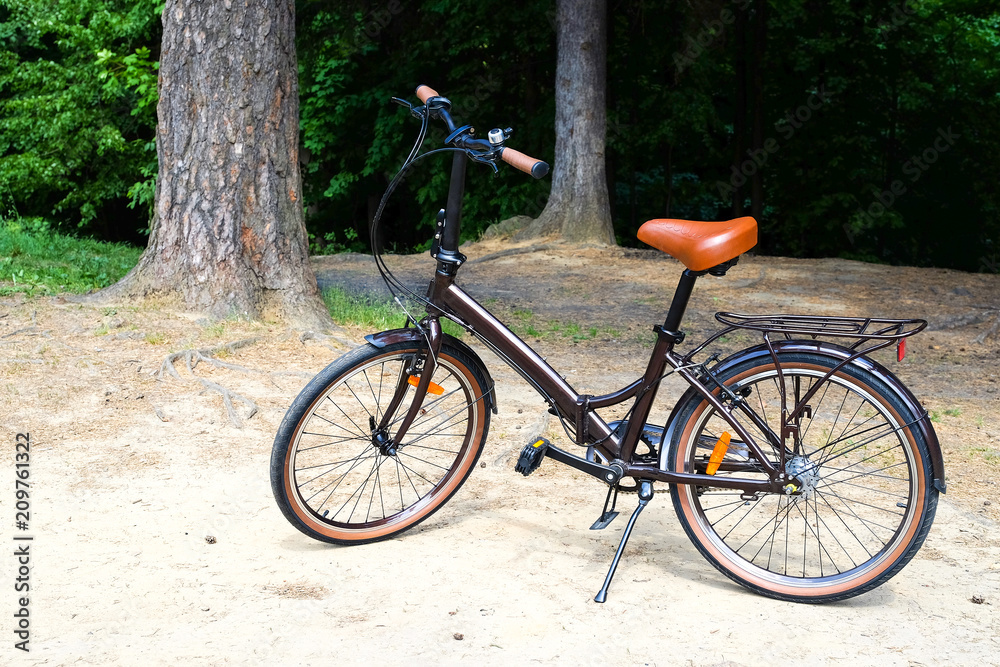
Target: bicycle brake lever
485,158
416,112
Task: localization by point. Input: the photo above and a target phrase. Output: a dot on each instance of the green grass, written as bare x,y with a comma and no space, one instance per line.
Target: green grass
525,324
372,312
37,261
950,412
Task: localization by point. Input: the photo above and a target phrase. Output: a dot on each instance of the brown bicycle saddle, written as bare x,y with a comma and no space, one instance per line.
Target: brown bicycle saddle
700,245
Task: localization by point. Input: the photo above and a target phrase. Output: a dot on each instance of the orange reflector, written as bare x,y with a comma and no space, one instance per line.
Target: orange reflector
900,349
718,453
432,388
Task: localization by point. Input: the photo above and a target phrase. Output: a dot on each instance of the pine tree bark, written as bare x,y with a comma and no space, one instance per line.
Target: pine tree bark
578,207
740,121
757,145
228,233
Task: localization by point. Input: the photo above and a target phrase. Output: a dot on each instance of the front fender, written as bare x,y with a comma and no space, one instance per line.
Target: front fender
873,367
412,335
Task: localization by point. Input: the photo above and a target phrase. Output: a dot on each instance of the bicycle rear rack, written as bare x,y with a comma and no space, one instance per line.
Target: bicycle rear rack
864,329
810,325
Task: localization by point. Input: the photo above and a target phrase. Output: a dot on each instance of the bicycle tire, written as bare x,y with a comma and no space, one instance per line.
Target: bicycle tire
869,503
330,478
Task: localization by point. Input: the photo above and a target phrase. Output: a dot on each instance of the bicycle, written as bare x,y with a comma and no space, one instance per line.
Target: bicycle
799,467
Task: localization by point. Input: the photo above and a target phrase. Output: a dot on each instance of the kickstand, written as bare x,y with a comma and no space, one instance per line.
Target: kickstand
645,495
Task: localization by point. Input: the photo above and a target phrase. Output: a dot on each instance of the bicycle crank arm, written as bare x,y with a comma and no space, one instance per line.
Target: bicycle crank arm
607,474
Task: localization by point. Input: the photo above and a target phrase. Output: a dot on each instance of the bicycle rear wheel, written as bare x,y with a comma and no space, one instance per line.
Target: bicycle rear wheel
867,503
336,481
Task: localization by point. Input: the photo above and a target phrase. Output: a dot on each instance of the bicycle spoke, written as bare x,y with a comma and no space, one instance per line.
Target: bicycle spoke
409,469
427,407
378,399
865,460
298,470
867,489
819,402
856,447
808,528
774,530
342,428
417,458
435,449
359,492
338,481
327,444
360,430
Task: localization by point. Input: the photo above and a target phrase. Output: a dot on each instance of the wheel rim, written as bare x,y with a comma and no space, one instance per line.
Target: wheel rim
346,483
853,523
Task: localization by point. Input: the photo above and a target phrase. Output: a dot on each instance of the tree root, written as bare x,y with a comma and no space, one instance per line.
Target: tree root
538,247
981,338
964,320
192,358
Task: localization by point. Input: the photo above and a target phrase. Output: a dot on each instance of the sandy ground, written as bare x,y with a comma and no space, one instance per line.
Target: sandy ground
157,541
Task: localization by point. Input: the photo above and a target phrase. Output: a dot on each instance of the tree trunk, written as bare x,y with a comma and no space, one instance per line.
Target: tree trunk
578,208
760,39
228,233
740,121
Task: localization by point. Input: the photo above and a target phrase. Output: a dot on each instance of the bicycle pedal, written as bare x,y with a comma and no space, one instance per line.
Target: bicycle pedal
604,521
531,456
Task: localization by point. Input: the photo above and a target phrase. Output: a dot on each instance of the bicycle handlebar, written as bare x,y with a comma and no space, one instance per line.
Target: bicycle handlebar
425,93
525,163
529,165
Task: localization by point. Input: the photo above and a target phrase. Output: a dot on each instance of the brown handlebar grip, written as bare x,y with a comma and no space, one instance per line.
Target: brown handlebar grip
425,93
525,163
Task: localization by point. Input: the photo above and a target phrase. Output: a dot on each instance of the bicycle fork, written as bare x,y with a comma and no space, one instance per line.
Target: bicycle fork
645,495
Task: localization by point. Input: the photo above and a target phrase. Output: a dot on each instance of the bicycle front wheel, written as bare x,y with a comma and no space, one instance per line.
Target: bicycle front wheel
867,502
337,481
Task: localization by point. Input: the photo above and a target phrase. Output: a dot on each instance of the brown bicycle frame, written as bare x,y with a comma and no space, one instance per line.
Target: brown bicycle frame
580,408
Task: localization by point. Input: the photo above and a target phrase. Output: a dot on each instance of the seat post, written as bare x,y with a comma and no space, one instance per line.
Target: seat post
680,302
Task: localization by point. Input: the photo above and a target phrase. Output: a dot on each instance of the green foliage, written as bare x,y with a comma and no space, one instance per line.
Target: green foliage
496,64
135,74
34,259
865,175
894,76
898,166
77,110
372,312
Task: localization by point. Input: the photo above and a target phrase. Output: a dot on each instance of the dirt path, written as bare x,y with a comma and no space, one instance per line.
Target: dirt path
131,473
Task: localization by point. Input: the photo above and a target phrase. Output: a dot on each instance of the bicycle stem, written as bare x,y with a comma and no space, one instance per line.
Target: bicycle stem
453,210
